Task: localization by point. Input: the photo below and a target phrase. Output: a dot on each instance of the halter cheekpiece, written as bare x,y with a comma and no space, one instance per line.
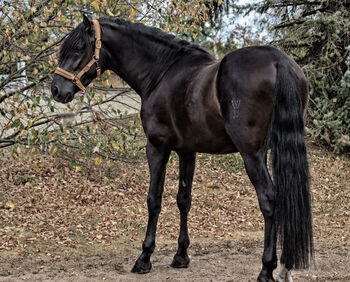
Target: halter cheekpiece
76,78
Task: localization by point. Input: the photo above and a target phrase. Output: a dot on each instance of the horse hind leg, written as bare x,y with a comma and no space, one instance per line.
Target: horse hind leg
256,168
187,166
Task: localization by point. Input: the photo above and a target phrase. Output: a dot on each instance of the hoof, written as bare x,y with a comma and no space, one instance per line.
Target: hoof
266,275
180,262
141,267
265,278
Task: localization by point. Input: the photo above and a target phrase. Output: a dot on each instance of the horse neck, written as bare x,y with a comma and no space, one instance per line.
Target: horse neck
135,57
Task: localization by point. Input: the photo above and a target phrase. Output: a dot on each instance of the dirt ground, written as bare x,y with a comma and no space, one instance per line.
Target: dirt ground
59,223
222,260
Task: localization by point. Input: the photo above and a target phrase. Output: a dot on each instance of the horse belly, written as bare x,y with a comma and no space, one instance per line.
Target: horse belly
206,138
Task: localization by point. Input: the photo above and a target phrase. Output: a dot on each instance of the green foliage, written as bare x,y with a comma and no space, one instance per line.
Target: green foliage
316,34
93,124
240,36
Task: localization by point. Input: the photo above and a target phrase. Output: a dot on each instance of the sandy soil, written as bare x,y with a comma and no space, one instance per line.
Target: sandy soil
224,260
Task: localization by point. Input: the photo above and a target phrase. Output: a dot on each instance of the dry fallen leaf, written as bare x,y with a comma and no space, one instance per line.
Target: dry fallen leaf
10,204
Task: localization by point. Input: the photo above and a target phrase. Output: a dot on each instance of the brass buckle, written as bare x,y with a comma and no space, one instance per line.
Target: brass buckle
98,44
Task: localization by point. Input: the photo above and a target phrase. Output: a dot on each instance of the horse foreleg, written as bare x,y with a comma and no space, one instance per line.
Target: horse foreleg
187,165
256,168
157,160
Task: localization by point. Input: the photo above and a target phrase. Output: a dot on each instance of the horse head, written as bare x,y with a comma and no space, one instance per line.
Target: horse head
78,61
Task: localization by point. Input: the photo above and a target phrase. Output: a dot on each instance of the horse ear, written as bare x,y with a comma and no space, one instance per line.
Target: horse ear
88,23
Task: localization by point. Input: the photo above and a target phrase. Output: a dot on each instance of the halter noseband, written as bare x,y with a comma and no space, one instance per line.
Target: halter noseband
76,78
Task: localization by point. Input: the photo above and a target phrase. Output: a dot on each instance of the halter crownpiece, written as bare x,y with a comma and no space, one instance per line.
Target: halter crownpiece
76,78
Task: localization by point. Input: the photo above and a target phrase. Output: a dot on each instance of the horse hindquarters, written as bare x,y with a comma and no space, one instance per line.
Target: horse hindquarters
262,100
246,103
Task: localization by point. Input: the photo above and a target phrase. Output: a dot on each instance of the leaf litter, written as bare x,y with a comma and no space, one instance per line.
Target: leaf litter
47,205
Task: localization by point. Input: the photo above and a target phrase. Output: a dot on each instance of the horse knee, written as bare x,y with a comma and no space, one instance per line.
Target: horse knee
184,240
154,203
183,200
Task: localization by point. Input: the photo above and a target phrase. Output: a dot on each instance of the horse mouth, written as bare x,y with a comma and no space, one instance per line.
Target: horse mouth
64,99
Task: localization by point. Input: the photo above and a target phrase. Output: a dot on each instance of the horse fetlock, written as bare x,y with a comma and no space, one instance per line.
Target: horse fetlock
148,247
184,242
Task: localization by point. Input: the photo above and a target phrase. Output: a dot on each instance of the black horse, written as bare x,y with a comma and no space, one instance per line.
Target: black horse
253,100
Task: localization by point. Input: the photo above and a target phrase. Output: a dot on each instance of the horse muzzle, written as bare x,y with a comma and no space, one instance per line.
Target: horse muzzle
61,95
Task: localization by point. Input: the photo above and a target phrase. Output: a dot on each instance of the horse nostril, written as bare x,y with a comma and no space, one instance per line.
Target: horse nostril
55,91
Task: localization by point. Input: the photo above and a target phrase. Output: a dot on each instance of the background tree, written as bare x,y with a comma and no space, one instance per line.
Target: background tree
31,32
317,35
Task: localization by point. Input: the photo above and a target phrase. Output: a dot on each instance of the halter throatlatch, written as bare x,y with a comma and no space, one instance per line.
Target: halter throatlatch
76,78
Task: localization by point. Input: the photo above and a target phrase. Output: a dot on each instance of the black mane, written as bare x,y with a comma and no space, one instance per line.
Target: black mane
80,36
154,33
150,41
158,48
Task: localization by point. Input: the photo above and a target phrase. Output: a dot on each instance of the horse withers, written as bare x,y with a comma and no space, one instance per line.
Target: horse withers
251,101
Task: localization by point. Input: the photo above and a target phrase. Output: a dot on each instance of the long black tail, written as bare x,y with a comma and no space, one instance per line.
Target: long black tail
290,171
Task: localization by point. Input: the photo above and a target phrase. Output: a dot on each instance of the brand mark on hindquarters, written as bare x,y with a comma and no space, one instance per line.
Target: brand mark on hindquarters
235,106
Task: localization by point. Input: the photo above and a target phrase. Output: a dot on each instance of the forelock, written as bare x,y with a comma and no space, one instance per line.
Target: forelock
75,37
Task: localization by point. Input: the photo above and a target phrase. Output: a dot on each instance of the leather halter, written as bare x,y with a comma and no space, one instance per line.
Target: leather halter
76,78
